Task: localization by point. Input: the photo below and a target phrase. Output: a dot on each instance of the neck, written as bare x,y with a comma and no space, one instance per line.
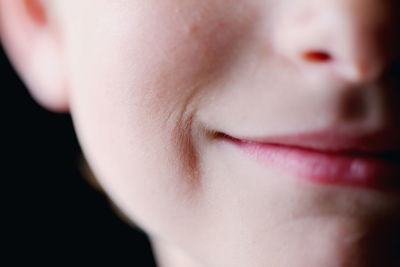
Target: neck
170,256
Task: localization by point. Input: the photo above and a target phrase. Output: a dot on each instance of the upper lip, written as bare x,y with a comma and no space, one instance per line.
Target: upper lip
380,143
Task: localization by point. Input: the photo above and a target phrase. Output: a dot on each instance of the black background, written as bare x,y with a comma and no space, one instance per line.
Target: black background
50,214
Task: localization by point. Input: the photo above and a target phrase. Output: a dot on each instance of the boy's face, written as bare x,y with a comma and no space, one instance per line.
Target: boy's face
156,86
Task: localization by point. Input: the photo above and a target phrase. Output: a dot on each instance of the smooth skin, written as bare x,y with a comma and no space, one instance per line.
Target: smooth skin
149,83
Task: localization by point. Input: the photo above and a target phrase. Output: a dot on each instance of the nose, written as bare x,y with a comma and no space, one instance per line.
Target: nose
353,39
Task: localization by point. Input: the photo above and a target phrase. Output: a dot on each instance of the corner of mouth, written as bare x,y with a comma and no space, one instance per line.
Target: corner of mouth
316,143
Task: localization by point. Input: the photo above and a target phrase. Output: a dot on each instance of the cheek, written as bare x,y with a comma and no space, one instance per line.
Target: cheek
134,88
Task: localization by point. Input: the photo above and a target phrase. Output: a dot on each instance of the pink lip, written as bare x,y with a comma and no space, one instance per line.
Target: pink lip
326,159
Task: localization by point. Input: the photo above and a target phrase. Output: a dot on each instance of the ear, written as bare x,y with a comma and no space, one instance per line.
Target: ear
33,44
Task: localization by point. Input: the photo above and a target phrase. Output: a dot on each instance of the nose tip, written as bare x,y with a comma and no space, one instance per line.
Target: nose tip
364,64
351,70
351,40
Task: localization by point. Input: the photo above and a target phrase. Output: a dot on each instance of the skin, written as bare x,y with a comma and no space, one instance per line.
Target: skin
148,83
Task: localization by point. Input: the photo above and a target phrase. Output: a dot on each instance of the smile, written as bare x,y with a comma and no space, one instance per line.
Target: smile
316,158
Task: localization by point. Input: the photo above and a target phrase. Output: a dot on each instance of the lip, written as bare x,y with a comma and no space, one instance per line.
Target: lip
328,158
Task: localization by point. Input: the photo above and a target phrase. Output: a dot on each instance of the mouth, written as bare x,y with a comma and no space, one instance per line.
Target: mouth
326,158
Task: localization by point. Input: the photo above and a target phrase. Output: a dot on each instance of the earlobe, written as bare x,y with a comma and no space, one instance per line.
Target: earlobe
33,44
35,9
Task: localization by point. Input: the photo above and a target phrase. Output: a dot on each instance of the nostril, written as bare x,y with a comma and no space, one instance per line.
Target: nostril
317,56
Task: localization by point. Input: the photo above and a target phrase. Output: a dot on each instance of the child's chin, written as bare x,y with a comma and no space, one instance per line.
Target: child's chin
316,242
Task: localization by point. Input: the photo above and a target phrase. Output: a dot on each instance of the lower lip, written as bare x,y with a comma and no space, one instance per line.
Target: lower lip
325,168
